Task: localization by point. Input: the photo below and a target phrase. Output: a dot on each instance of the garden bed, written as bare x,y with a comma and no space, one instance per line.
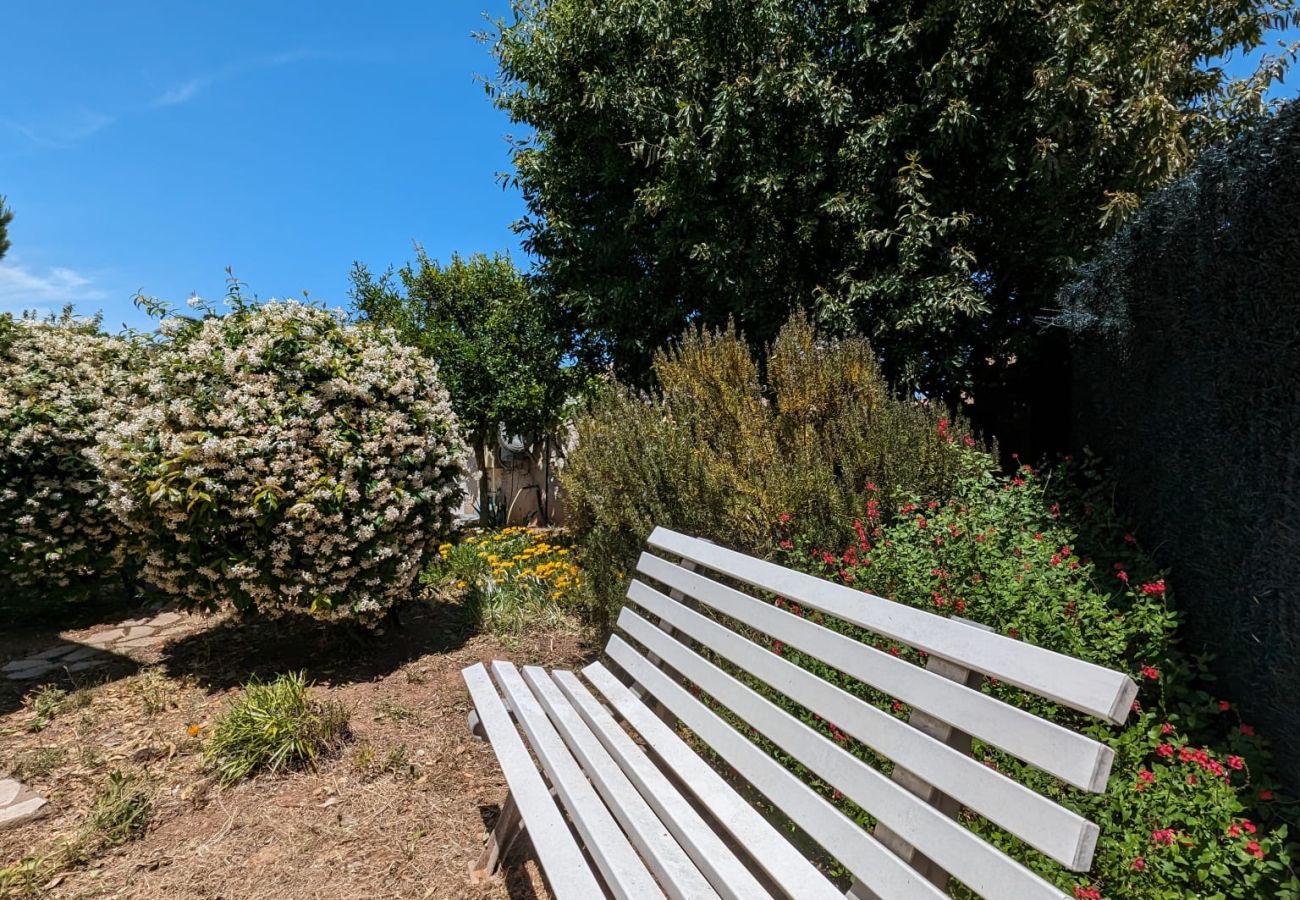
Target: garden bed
400,811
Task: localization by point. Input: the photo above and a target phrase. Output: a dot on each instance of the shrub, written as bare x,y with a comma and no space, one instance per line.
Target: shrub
1191,806
721,452
57,535
273,727
513,579
279,458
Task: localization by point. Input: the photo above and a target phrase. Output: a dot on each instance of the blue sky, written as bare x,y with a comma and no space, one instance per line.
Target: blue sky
147,146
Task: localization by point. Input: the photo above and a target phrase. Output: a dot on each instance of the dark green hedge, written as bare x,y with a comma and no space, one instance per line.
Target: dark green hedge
1186,344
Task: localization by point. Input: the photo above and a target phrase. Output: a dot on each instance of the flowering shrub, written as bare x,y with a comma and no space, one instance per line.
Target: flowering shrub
57,535
1191,808
279,458
513,578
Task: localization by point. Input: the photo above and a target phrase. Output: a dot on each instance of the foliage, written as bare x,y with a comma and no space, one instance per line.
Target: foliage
58,537
501,349
513,579
279,458
1191,808
274,727
1194,303
121,810
720,452
6,216
924,172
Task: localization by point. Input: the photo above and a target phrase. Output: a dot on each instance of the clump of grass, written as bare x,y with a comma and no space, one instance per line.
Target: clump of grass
387,711
156,690
46,703
273,727
121,810
370,763
38,763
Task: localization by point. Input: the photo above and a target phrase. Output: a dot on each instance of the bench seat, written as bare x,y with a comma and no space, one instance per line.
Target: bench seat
608,780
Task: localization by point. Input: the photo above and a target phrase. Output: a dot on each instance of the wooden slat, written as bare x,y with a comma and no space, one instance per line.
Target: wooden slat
1074,758
858,851
979,866
624,872
567,871
1063,835
727,874
770,850
670,864
1071,682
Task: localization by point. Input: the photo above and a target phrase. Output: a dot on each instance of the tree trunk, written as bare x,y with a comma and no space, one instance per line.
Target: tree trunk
484,483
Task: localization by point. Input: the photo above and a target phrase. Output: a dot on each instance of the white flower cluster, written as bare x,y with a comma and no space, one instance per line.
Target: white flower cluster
280,458
57,536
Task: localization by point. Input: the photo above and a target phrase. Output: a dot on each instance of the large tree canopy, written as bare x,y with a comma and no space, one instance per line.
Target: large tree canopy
923,172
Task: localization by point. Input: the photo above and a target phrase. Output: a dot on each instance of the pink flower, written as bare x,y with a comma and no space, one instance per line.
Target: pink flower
1236,762
1150,672
1254,850
784,518
1224,705
1163,836
1139,864
1087,892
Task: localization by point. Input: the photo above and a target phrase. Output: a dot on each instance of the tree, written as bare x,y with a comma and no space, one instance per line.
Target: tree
925,173
503,352
6,216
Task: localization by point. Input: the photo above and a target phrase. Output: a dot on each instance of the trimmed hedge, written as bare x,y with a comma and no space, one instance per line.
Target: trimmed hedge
1186,340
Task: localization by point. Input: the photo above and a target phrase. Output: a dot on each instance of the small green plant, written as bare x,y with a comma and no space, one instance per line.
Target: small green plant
156,690
121,809
386,711
46,703
370,764
273,727
38,763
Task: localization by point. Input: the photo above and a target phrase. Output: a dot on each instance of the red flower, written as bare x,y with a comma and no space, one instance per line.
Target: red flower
778,648
1234,831
920,522
1165,750
968,441
1166,729
1147,775
1266,795
1236,762
943,428
787,545
1087,892
1254,850
1122,576
1155,588
1248,730
784,518
1139,864
1150,672
1248,825
871,485
1224,705
1163,836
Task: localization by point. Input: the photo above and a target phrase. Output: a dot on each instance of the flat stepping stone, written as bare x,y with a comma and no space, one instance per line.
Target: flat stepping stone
37,668
162,620
19,803
54,652
144,641
85,664
102,638
137,631
81,653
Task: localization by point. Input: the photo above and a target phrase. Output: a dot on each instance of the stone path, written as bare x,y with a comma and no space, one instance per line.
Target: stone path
18,803
96,649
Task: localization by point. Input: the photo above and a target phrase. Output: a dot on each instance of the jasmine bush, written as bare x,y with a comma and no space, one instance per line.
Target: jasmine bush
58,536
277,457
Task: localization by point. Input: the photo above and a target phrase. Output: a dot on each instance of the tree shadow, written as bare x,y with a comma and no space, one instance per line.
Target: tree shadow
68,665
338,652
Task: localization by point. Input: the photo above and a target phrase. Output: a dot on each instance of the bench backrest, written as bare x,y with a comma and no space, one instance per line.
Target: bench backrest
934,774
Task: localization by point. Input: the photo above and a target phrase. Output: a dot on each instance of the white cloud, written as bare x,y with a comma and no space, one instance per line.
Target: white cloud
25,288
62,130
186,91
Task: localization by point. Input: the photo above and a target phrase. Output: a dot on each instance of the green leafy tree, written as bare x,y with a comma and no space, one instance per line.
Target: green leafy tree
503,351
6,216
924,173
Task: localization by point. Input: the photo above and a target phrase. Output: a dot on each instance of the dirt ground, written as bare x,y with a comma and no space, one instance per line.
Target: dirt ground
399,812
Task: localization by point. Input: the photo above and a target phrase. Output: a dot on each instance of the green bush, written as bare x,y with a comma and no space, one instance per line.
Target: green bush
720,451
58,537
1191,808
278,458
274,727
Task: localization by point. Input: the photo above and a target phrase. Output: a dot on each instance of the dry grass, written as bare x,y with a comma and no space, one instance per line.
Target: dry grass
400,813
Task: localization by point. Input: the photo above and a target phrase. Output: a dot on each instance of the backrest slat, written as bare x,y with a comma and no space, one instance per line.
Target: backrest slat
1074,758
1061,834
840,836
1071,682
959,851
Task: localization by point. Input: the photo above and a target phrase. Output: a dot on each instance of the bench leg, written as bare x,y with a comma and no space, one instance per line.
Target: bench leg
508,827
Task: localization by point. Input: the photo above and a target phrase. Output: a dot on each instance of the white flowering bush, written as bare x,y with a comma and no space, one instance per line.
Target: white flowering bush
58,538
280,458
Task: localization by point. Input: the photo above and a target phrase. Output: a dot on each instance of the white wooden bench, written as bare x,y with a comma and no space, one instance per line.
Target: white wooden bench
618,803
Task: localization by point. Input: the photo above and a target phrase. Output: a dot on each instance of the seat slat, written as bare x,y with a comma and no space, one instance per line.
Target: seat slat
1063,835
725,871
1071,682
777,857
567,871
859,852
624,872
959,851
672,866
1074,758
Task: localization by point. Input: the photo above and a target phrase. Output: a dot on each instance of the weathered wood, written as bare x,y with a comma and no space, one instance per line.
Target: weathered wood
1071,682
1074,758
566,869
509,825
1060,833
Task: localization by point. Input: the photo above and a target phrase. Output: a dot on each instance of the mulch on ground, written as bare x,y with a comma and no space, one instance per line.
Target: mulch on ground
399,812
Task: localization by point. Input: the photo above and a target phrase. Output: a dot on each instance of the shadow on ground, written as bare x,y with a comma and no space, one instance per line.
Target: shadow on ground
67,674
341,652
